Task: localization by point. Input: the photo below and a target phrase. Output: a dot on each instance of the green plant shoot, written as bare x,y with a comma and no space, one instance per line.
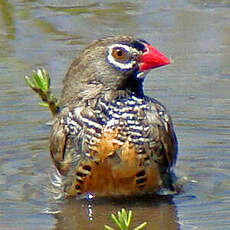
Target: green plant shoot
123,221
39,82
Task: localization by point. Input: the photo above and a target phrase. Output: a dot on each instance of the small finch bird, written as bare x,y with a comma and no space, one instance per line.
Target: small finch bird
109,138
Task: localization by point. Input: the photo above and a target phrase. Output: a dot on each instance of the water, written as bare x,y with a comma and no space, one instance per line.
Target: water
195,89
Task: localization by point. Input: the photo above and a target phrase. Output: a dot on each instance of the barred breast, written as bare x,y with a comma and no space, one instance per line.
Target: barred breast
122,146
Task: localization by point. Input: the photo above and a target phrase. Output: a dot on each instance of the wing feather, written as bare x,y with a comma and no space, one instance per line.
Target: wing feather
58,140
161,124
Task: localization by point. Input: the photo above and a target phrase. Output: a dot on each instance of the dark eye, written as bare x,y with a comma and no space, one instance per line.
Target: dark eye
120,54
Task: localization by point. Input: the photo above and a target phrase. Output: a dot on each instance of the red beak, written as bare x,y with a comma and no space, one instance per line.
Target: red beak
152,58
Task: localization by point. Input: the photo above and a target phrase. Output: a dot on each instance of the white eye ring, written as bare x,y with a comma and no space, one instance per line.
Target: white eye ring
119,65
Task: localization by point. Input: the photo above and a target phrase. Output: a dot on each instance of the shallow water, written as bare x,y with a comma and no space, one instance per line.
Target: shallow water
195,89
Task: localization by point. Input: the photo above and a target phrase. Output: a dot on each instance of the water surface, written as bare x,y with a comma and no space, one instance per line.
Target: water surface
195,89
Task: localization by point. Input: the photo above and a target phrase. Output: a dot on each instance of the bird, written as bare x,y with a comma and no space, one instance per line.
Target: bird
109,138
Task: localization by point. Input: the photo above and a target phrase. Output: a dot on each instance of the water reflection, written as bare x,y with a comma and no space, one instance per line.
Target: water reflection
7,28
159,213
7,21
210,3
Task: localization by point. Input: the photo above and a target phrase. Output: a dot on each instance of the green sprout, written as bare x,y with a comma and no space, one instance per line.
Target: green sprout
123,221
39,82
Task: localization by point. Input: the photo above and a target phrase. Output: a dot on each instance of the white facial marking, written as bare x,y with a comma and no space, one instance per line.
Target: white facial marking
124,66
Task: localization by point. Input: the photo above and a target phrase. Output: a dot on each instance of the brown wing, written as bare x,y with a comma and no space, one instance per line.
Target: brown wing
58,144
62,145
162,127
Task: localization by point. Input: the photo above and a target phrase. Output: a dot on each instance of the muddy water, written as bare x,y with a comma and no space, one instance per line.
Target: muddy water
195,89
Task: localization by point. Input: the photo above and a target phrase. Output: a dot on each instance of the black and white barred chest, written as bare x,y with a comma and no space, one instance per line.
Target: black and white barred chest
130,117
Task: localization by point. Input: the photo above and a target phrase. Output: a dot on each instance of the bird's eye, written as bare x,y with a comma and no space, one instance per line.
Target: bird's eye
120,54
122,57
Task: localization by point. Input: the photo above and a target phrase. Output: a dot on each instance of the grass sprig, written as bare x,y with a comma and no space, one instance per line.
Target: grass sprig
123,221
39,82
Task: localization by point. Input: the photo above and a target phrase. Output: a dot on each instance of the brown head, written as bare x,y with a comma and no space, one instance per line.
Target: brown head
110,64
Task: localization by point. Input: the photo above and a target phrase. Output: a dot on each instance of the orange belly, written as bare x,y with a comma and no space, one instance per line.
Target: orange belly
114,170
104,178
